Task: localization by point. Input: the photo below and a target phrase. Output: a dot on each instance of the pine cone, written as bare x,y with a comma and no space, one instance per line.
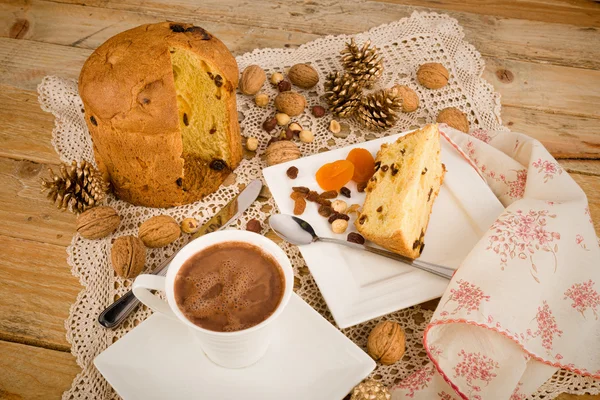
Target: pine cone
76,187
342,93
379,111
364,64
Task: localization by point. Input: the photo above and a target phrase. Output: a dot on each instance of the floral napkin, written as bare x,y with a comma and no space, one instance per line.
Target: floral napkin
526,299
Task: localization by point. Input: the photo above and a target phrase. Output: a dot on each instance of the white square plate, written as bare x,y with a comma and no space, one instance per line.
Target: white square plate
359,286
307,359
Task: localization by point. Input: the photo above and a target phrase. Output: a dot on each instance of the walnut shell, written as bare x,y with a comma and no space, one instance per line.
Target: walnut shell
159,231
291,103
252,79
455,118
410,99
386,342
282,151
303,75
98,222
433,75
128,256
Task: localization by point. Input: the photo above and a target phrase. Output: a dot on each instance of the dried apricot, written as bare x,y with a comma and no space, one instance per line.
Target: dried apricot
364,164
334,175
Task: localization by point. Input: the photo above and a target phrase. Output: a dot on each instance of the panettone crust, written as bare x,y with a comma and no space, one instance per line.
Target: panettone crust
130,101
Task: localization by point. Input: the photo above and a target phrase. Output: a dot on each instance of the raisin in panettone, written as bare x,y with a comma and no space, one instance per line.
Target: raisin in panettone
400,195
161,109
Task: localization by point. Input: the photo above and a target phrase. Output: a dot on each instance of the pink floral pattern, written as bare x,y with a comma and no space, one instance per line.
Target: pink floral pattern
547,327
445,396
548,168
516,394
581,242
417,380
481,134
476,369
587,212
517,234
584,296
467,296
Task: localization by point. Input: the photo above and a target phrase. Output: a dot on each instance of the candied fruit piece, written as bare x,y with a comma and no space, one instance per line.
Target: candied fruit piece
364,164
334,175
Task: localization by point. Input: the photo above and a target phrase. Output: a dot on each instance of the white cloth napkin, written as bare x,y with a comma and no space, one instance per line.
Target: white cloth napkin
526,299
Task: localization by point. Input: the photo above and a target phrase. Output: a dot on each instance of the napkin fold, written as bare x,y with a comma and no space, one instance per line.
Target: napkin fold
526,299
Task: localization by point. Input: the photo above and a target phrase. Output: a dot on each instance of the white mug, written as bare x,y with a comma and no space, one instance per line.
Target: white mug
228,349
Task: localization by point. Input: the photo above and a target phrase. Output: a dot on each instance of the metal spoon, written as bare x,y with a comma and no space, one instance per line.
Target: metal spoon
299,232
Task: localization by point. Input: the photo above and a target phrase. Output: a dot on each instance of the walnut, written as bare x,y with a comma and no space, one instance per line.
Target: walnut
128,256
410,99
98,222
433,75
159,231
282,151
252,79
303,75
455,118
291,103
386,342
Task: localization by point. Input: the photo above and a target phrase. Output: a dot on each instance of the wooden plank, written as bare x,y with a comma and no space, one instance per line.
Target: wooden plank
36,291
25,213
89,26
583,167
591,187
25,130
34,373
565,136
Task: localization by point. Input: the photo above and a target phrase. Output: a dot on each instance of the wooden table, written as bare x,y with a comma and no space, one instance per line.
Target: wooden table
542,56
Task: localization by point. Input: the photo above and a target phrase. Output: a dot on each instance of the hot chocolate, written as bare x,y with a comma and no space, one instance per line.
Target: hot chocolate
229,287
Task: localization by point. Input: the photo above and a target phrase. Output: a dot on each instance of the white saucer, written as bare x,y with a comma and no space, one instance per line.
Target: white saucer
308,359
359,286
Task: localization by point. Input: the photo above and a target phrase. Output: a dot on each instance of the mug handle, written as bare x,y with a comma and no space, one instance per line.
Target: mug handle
141,289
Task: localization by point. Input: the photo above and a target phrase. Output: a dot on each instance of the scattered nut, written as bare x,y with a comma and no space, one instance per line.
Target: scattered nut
306,136
325,211
282,119
295,128
455,118
291,103
254,226
276,78
261,99
287,134
292,173
282,151
339,226
339,206
303,75
252,79
318,111
128,256
269,124
433,75
334,126
386,342
354,237
344,191
159,231
284,86
299,206
410,99
190,225
252,144
98,222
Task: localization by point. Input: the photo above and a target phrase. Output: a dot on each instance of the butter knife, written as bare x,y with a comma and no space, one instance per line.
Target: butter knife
116,313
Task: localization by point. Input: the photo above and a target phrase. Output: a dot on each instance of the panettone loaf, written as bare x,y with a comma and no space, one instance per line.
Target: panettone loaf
409,173
161,109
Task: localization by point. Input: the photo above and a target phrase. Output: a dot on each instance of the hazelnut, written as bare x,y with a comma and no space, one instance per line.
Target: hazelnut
295,128
269,124
318,111
252,79
433,75
281,151
282,119
261,99
291,103
303,75
334,126
284,86
410,100
455,118
306,136
190,225
339,206
276,78
286,134
386,342
339,226
252,143
254,226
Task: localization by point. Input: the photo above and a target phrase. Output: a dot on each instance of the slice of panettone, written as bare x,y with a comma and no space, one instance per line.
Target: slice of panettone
400,196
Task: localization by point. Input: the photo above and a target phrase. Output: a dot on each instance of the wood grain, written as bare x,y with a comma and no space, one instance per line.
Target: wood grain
32,373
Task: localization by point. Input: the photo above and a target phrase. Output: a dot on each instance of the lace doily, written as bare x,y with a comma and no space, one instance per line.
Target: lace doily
405,44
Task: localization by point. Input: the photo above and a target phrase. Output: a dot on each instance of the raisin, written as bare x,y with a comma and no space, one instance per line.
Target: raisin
218,165
421,248
299,206
301,189
325,211
313,196
402,151
424,171
179,182
323,202
213,130
177,28
210,75
292,172
185,120
416,244
198,30
394,169
362,219
93,121
384,168
254,226
374,179
218,80
297,195
284,86
429,195
354,237
377,166
360,187
330,194
337,215
380,209
345,192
